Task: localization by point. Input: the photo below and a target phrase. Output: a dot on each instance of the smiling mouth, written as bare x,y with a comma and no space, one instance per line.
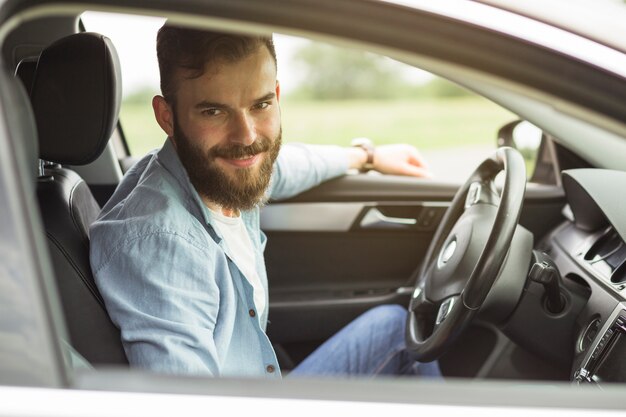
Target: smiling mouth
243,161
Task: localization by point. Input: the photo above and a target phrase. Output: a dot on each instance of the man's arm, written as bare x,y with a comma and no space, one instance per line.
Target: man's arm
300,167
159,290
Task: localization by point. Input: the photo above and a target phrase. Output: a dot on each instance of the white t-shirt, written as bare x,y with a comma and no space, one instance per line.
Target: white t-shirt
239,245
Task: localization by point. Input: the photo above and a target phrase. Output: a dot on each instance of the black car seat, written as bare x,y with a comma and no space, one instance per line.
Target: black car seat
76,94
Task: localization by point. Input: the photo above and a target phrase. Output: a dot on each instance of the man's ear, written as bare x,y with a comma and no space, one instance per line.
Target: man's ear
163,114
277,91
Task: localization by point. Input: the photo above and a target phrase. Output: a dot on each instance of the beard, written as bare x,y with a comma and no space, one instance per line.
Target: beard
242,190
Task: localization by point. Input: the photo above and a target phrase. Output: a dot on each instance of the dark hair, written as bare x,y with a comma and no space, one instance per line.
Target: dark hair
194,49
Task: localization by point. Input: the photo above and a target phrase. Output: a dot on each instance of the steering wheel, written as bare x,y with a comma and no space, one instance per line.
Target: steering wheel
466,255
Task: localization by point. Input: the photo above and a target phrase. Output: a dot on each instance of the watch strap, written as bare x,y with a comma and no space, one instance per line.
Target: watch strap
369,149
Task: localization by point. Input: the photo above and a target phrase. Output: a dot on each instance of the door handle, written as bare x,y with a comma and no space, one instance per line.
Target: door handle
375,219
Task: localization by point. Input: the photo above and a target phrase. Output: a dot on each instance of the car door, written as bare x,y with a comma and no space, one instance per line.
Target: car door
346,246
357,242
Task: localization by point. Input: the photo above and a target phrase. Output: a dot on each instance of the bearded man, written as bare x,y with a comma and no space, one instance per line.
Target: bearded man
177,252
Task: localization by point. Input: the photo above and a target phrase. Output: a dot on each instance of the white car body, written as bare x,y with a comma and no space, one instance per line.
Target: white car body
35,380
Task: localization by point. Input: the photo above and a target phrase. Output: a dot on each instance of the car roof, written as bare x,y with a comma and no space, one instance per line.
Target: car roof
598,20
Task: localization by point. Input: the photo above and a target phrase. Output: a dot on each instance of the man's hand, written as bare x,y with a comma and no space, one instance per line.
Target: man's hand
400,160
394,160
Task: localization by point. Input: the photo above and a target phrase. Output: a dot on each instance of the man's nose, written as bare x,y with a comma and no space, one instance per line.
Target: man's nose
244,130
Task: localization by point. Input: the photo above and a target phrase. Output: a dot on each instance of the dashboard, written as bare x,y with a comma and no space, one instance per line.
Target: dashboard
589,251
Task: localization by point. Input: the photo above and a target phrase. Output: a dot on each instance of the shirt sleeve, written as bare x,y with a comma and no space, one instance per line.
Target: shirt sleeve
158,290
300,167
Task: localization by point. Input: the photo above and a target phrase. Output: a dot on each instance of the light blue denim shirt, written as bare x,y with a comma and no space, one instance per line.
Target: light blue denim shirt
168,280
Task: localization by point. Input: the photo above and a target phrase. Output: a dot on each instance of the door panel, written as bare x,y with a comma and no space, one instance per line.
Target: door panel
344,247
322,255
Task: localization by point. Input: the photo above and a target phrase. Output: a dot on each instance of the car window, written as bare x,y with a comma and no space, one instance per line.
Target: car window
329,95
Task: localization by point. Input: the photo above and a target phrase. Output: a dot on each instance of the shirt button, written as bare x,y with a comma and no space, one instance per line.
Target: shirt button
270,369
252,313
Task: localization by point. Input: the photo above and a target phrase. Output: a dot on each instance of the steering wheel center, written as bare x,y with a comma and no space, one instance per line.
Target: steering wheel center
446,253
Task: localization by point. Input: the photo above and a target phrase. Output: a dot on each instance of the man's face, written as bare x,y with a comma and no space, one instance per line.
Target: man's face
226,129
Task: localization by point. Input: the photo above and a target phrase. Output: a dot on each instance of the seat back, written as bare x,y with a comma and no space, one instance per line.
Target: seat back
76,96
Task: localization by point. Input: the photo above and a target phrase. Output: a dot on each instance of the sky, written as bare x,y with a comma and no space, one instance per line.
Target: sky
134,38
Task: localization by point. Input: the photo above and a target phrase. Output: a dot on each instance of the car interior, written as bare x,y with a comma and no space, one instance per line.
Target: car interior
335,251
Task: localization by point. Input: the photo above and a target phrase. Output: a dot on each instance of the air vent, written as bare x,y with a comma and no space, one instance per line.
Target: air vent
619,275
608,256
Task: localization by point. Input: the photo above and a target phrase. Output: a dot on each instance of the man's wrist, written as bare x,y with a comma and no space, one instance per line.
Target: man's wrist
368,147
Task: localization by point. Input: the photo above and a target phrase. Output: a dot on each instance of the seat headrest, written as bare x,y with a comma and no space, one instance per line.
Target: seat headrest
76,97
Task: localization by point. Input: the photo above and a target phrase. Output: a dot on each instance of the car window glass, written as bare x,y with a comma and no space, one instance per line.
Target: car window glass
329,95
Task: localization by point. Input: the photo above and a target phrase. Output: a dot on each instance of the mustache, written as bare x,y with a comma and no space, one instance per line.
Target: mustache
235,151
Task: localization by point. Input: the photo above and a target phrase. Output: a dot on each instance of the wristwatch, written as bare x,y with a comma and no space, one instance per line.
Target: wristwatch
368,146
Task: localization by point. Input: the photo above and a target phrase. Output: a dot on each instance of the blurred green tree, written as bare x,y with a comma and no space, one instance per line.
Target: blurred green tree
332,73
439,87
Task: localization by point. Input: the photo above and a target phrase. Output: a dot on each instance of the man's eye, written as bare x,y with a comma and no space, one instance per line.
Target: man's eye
262,106
211,112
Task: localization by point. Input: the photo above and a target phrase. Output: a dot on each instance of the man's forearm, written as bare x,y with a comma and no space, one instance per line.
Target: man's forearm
300,167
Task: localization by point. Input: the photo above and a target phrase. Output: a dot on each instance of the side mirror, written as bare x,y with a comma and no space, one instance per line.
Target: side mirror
521,135
526,138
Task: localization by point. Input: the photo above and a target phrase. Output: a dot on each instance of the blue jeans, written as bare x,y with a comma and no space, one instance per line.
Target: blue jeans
372,344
